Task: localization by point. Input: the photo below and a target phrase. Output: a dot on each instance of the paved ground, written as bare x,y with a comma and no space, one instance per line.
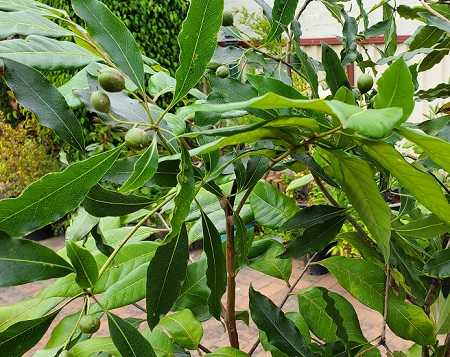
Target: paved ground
214,335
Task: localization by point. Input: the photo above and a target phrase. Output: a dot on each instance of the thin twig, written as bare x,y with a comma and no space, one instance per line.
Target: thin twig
204,349
139,307
386,304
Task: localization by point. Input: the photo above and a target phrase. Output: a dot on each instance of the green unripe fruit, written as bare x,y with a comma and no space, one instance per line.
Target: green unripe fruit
227,19
365,83
89,324
100,102
137,138
111,80
66,353
222,71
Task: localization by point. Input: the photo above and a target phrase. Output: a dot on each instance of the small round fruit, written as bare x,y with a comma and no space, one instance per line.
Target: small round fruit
222,71
227,19
111,80
66,353
89,324
137,138
100,102
365,83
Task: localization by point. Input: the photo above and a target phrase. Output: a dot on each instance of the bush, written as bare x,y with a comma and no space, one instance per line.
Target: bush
154,24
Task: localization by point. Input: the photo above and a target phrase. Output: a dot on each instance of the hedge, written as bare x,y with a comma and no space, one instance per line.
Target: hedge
154,23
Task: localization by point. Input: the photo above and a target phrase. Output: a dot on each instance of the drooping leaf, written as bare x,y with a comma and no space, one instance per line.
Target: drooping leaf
144,168
23,261
56,194
22,336
396,89
281,331
282,15
216,272
26,23
365,281
165,275
183,327
45,53
101,202
84,264
436,148
335,73
128,340
271,207
110,32
421,185
439,264
356,178
198,40
37,94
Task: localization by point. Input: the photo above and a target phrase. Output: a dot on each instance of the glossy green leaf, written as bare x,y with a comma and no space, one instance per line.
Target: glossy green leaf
103,247
356,178
227,352
54,195
84,264
128,340
314,238
281,331
81,224
421,185
424,37
307,70
101,202
436,148
311,216
282,15
313,307
396,89
37,94
183,327
165,275
265,85
439,264
427,227
440,312
365,281
442,90
62,331
198,40
45,53
271,207
216,273
23,261
335,73
440,51
110,32
26,23
94,346
144,168
264,257
22,336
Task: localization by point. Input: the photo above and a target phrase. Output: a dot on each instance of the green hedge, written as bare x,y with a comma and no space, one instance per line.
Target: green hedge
154,23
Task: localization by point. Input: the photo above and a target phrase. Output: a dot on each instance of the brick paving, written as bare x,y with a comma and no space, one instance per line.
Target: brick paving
214,333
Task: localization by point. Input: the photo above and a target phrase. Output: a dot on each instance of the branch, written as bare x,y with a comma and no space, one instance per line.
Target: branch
385,311
447,346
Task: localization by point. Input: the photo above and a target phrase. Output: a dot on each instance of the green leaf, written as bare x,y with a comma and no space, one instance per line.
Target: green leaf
107,30
267,84
81,224
440,312
24,335
442,90
183,327
421,185
84,263
101,202
94,346
281,331
26,23
437,149
253,171
54,195
37,94
264,257
45,53
198,40
144,168
427,227
365,281
335,73
439,265
23,261
271,207
314,238
356,178
307,70
440,51
127,339
424,37
313,307
165,275
311,216
282,15
216,273
227,352
396,89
